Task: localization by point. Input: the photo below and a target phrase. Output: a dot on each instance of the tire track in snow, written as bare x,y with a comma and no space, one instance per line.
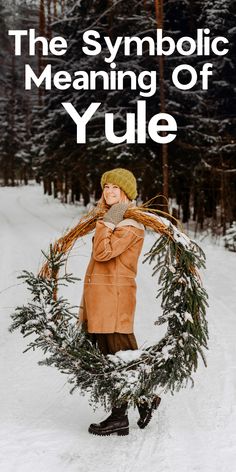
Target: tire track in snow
225,353
31,213
144,447
4,217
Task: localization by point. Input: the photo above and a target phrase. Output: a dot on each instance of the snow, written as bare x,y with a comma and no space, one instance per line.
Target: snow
179,236
44,428
126,356
187,316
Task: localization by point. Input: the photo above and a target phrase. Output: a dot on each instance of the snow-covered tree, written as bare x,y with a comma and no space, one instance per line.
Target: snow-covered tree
205,118
60,152
16,106
230,237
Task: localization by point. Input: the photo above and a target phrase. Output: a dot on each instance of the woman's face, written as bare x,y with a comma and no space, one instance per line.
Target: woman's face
112,194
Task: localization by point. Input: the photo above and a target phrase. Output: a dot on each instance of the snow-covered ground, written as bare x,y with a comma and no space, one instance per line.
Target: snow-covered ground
44,428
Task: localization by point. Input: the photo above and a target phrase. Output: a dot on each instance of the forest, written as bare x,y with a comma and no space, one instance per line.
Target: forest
193,177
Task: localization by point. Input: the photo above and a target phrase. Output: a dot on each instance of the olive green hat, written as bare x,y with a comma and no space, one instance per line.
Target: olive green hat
123,178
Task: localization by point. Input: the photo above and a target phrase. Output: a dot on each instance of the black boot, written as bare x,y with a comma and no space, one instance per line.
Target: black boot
117,422
145,411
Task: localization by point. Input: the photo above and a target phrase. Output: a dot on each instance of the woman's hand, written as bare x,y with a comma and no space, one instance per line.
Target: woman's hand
115,214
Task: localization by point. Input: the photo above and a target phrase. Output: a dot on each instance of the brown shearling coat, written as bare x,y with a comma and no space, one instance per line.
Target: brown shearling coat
109,297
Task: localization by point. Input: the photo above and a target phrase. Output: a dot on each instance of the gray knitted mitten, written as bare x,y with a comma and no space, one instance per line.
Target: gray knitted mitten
116,213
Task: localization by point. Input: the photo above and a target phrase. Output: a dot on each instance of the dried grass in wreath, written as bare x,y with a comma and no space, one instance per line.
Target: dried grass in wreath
142,214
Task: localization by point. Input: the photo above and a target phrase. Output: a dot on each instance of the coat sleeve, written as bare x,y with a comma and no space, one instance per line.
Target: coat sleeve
111,242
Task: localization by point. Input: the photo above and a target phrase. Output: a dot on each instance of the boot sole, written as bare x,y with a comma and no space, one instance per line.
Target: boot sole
142,424
119,432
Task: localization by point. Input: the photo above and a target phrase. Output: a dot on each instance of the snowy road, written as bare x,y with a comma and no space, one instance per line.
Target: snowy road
43,428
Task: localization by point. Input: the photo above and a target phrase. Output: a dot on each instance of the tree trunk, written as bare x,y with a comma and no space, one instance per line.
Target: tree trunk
75,191
49,186
66,188
164,147
55,187
60,189
25,176
62,7
12,121
55,9
49,19
5,176
44,186
42,24
86,196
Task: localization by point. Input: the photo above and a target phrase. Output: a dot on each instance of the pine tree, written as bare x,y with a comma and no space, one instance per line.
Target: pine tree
205,119
60,149
16,106
230,238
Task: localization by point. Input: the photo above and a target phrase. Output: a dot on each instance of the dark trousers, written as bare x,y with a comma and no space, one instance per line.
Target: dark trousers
110,343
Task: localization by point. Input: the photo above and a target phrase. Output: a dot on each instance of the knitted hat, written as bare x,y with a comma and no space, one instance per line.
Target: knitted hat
123,178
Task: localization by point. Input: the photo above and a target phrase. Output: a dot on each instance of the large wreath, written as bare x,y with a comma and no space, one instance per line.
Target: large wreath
131,376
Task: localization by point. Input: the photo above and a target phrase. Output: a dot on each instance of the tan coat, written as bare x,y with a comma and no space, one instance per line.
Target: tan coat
109,297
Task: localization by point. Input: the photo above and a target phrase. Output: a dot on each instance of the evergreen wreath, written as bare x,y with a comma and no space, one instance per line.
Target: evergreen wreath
132,376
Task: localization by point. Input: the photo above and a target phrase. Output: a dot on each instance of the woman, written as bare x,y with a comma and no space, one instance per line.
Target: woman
109,297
